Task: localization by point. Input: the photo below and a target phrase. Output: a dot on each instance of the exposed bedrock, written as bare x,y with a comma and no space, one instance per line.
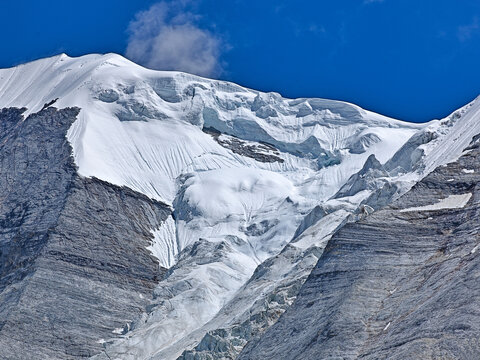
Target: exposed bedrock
73,260
366,179
400,284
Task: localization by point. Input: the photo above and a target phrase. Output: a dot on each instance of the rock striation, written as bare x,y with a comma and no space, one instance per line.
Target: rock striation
74,266
257,184
400,284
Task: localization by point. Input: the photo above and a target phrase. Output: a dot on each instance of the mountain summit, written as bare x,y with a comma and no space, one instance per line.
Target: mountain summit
160,215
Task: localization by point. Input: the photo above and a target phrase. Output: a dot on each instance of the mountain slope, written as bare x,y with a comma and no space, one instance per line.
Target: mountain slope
401,283
74,264
257,185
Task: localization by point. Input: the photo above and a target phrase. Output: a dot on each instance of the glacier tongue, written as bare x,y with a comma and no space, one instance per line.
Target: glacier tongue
240,168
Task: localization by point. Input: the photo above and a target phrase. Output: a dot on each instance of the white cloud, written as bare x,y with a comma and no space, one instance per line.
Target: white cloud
465,32
167,37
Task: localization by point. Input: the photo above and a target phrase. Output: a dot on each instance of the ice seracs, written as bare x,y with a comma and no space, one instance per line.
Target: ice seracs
248,174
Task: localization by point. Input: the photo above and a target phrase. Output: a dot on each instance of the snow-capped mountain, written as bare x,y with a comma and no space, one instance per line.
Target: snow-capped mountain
256,184
401,283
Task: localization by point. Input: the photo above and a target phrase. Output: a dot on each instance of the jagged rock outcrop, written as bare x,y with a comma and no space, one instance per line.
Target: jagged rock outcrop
400,284
73,260
366,179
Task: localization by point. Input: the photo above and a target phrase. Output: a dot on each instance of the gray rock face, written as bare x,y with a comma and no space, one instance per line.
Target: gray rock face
407,158
36,175
73,259
262,152
317,213
366,178
396,285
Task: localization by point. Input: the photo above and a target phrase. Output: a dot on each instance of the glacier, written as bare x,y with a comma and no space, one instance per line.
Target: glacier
257,183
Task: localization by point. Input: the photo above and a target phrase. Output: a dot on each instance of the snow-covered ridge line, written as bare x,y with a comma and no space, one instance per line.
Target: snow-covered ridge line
110,88
242,169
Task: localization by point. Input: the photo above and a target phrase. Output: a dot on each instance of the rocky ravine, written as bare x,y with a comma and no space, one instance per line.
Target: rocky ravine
73,260
400,284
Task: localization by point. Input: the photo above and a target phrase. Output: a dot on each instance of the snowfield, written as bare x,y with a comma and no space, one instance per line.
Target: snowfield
244,171
450,202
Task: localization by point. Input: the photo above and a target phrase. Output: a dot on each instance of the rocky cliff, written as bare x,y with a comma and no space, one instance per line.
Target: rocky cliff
161,215
400,284
73,260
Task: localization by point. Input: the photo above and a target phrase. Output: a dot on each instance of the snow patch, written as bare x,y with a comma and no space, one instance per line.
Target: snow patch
474,250
451,202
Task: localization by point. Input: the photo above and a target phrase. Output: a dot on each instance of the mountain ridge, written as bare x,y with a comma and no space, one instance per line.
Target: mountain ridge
256,185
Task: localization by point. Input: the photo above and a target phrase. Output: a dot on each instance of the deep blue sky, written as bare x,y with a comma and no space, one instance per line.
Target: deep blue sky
410,59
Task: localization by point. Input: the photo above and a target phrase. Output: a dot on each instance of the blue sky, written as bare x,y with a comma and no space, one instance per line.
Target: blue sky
413,60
